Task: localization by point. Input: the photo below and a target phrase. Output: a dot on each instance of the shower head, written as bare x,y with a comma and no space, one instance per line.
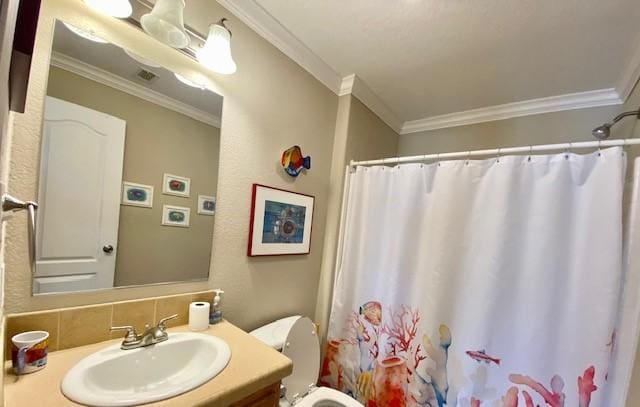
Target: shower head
603,132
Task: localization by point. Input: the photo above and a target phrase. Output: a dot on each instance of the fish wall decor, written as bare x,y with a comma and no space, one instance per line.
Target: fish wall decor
293,162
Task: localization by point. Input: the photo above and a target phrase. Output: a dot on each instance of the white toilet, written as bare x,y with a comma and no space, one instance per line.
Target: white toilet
297,338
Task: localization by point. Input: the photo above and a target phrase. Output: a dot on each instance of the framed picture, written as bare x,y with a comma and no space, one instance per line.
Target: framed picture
280,222
206,205
137,194
175,216
176,185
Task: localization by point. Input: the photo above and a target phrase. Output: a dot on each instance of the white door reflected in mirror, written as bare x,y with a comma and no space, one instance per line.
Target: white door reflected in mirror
80,176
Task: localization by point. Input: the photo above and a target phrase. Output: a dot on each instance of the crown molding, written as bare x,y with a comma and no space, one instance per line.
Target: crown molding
358,88
347,84
263,23
581,100
260,21
106,78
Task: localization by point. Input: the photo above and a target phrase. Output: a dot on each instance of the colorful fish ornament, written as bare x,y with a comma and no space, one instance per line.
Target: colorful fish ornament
293,162
481,356
372,312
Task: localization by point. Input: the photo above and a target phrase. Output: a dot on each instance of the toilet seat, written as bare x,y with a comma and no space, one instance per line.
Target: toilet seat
328,397
303,348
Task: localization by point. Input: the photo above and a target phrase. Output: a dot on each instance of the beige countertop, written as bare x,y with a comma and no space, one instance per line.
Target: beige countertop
252,367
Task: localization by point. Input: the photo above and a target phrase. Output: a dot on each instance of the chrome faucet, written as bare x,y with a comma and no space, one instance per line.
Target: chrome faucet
151,335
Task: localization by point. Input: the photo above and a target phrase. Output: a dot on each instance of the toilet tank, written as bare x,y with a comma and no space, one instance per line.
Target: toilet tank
275,333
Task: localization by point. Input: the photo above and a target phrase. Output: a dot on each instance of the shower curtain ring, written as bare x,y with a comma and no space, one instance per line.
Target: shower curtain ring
498,155
567,151
530,153
468,156
438,159
599,148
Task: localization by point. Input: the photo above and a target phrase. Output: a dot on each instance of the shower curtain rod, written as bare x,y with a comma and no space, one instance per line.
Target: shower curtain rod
501,151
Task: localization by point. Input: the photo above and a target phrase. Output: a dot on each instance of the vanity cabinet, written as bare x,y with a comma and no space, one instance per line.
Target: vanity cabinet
243,382
266,397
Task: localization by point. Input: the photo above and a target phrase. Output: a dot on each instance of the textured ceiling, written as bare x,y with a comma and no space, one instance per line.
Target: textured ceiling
432,57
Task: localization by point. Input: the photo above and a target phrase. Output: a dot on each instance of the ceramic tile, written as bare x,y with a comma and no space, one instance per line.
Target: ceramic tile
82,326
168,306
79,326
135,313
37,321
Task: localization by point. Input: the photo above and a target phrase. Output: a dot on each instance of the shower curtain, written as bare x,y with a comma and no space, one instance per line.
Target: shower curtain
479,283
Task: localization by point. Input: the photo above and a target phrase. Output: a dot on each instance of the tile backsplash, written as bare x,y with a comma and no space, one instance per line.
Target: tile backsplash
77,326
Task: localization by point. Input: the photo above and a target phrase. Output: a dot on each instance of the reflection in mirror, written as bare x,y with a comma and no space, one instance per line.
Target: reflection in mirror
128,170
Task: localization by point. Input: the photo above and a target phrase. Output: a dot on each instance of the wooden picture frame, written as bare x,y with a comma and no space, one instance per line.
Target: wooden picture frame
281,222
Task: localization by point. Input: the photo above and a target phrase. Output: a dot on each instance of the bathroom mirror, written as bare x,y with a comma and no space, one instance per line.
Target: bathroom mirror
128,170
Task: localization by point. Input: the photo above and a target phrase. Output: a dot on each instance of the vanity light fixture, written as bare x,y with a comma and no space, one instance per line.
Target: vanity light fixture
142,60
115,8
216,53
165,23
188,82
87,35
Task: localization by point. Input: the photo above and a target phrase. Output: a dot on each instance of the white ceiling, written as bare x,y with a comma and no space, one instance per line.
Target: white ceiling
425,58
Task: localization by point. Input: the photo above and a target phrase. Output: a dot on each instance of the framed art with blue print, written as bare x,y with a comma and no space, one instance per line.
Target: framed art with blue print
280,222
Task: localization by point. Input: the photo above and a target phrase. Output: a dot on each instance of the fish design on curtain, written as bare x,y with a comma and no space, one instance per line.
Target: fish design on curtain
491,283
385,360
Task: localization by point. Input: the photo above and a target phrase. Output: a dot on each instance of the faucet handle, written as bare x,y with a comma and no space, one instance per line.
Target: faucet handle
163,322
131,332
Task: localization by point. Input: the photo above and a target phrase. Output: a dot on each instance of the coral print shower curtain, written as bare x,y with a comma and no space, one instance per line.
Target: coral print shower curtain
479,283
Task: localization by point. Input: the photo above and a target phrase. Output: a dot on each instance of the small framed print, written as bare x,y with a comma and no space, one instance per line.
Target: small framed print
280,222
175,216
176,185
206,205
137,194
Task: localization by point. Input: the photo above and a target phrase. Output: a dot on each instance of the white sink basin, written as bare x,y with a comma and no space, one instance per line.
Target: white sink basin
116,377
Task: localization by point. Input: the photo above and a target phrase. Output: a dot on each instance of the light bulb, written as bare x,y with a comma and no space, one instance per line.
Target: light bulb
87,35
216,53
115,8
166,23
188,82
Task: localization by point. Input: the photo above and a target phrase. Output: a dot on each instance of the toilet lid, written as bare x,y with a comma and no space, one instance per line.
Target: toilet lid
275,333
303,348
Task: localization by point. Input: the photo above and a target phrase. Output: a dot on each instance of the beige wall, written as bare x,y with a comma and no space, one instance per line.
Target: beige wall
270,104
360,135
157,140
8,10
549,128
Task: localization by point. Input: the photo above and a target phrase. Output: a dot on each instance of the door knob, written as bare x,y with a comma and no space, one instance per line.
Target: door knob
107,249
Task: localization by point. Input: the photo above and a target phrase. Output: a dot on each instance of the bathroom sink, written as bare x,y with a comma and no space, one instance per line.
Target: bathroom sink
116,377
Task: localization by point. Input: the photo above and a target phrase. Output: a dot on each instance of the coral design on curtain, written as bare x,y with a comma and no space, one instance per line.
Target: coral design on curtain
479,283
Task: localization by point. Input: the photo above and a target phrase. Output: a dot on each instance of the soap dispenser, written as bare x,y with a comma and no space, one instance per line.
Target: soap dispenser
216,315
